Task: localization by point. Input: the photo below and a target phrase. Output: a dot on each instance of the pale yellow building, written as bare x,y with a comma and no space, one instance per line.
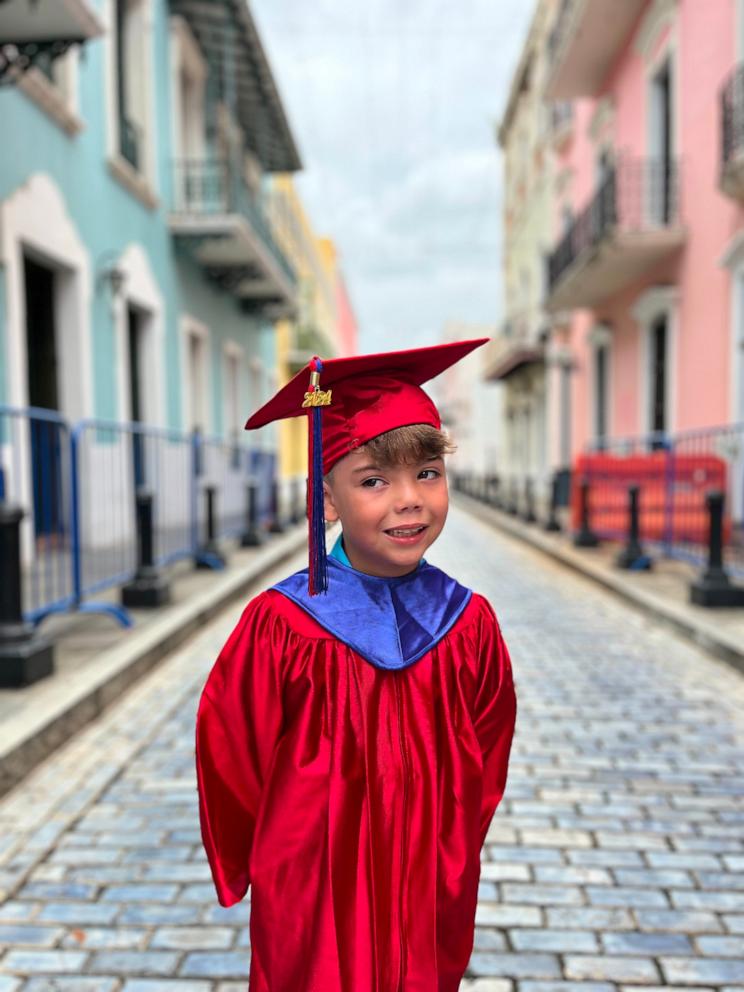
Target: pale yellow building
530,131
314,329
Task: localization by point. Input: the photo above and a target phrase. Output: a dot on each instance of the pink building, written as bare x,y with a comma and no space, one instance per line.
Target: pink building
645,280
348,337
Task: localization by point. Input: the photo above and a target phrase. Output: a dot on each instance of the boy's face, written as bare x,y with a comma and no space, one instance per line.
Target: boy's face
390,516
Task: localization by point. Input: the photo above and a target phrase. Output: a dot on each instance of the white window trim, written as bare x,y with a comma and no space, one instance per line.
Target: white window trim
191,327
739,15
231,350
601,337
61,106
142,185
141,290
186,56
733,260
660,15
35,219
656,302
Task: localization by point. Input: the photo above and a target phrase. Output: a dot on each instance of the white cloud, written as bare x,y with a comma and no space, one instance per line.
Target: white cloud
393,106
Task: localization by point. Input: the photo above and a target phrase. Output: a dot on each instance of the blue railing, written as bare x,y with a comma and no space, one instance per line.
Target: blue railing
78,483
210,186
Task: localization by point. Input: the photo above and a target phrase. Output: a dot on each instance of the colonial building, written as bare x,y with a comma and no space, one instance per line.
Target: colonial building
648,226
322,324
140,278
520,356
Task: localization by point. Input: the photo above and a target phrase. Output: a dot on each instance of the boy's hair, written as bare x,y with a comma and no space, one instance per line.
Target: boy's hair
407,446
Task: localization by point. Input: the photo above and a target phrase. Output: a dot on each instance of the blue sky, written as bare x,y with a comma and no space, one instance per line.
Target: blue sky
394,105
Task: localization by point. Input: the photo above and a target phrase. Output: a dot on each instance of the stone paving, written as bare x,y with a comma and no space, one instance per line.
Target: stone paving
615,861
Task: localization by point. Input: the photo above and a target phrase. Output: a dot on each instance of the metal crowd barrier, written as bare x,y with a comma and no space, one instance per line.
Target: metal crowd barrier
78,484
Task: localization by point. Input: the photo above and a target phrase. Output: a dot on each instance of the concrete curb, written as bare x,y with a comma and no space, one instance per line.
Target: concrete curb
684,619
30,736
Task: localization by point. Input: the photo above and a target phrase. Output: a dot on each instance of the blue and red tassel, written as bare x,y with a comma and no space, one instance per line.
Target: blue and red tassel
318,559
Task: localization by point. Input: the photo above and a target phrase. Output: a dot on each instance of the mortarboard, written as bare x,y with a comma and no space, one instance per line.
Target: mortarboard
350,401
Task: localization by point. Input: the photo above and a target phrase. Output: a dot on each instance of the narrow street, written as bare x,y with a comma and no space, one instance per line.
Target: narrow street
616,858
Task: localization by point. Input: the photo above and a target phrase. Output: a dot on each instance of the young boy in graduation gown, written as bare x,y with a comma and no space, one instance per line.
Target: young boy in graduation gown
353,736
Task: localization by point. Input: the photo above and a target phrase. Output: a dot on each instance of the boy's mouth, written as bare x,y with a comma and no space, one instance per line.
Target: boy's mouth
406,535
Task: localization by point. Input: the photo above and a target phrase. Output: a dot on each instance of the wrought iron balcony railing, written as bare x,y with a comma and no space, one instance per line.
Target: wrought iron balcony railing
209,187
732,116
634,196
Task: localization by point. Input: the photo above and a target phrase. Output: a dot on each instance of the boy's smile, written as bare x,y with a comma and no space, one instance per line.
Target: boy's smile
390,515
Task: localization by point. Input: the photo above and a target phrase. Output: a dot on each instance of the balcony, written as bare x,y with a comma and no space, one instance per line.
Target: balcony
631,224
584,43
31,31
732,135
223,222
517,346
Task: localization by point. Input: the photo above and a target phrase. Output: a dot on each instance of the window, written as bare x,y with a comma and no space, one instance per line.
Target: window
130,121
660,181
658,373
197,382
601,386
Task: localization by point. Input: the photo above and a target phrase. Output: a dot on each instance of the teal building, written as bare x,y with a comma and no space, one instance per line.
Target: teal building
139,277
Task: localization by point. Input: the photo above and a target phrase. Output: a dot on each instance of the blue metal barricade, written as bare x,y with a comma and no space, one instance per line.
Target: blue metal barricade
35,474
77,486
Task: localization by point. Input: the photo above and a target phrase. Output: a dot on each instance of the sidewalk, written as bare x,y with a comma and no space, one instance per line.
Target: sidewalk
96,660
662,593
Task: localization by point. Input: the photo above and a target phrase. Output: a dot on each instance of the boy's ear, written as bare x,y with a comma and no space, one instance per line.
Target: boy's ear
330,513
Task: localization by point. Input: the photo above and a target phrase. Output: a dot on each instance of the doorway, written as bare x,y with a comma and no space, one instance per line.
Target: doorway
135,343
658,343
43,394
661,180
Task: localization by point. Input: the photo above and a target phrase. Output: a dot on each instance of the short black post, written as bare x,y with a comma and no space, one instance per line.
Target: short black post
277,524
632,556
252,536
25,657
529,516
512,506
553,525
713,587
585,538
209,554
149,588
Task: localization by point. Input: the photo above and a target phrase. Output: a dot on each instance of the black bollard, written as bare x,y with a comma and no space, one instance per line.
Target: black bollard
209,554
713,587
149,588
586,538
632,556
252,536
25,657
553,524
529,516
512,506
277,525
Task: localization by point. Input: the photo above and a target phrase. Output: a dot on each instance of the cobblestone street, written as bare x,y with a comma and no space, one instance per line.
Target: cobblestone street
616,858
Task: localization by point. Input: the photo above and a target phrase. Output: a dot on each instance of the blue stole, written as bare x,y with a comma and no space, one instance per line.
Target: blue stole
391,622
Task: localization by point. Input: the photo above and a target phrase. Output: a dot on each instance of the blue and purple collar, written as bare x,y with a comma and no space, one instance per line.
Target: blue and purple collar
391,622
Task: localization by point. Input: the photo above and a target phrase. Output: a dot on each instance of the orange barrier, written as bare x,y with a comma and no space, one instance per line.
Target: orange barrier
672,494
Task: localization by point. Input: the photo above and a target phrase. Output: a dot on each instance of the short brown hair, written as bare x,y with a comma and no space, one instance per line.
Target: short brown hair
409,445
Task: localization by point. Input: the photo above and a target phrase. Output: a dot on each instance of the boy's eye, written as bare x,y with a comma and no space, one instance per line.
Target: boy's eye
433,473
370,483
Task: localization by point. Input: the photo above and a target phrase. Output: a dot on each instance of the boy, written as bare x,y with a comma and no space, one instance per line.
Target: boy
353,736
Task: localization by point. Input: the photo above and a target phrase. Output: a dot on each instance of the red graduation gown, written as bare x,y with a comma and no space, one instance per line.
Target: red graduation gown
353,800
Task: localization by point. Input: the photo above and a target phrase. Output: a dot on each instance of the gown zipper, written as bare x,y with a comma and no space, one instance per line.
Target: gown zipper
403,837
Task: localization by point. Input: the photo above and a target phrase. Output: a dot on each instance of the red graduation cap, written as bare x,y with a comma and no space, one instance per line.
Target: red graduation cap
350,401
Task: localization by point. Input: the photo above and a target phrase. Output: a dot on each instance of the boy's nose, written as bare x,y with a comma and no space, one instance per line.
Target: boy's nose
407,496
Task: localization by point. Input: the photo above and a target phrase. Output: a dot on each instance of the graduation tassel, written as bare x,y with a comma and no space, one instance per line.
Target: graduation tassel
318,561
